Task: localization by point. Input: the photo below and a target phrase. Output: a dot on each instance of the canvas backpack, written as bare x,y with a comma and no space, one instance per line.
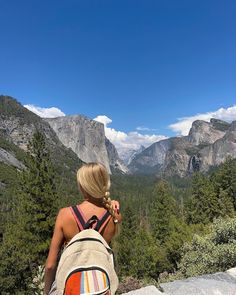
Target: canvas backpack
86,266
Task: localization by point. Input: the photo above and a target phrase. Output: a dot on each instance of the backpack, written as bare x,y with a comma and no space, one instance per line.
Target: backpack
86,266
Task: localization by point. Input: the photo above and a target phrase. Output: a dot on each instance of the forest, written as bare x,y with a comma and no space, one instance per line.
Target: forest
172,228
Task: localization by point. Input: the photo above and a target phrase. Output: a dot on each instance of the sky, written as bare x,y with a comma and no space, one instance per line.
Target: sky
145,68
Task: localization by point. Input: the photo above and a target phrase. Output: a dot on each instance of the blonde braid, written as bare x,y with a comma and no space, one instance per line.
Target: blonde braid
107,203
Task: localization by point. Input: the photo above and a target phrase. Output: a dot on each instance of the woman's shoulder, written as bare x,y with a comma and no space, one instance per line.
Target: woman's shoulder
64,212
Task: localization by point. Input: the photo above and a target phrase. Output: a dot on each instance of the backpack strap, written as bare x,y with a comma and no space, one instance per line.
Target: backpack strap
103,222
78,217
90,223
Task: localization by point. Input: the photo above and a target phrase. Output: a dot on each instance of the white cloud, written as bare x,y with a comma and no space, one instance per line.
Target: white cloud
143,128
45,112
130,140
184,124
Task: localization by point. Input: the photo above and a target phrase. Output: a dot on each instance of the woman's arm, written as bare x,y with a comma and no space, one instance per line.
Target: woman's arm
55,247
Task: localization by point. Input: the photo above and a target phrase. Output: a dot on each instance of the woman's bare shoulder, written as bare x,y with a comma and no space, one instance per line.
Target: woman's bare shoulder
64,213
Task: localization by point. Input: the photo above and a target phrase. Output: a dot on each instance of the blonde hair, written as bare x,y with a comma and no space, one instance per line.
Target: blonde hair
95,180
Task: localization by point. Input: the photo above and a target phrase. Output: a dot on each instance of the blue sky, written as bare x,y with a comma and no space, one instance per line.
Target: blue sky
140,63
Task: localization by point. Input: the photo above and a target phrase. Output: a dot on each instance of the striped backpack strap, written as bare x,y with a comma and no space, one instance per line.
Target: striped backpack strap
78,217
82,224
103,222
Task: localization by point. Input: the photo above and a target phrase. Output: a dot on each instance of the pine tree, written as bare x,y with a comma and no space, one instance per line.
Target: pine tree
208,201
26,238
225,180
161,212
126,241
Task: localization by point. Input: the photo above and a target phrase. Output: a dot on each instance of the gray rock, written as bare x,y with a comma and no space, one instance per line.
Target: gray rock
167,156
127,154
213,284
10,159
207,144
203,132
114,159
149,290
84,136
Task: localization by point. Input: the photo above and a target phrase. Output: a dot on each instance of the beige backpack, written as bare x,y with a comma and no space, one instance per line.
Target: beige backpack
86,266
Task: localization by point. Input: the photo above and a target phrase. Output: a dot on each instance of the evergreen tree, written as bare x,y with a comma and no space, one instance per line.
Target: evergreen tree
207,201
126,241
26,238
148,258
225,181
161,212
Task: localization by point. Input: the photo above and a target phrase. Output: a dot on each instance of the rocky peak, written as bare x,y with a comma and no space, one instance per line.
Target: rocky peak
208,144
18,124
114,159
84,136
203,132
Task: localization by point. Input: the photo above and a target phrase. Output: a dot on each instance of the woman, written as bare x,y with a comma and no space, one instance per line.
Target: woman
94,183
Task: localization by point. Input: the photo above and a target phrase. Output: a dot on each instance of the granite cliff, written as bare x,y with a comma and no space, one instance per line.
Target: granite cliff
86,138
17,126
207,144
76,137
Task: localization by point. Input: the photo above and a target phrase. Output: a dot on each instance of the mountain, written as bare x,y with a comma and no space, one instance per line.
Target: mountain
115,162
127,155
86,137
17,126
207,144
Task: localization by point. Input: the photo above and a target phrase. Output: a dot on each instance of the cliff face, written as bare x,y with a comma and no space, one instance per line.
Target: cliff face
214,154
203,132
86,138
17,125
114,159
207,144
76,137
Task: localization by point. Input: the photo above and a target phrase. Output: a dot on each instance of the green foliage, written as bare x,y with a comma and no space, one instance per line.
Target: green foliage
11,107
208,201
148,258
212,253
162,211
125,244
225,180
27,235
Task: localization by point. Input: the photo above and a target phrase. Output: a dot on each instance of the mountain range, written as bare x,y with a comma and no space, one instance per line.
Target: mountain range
76,139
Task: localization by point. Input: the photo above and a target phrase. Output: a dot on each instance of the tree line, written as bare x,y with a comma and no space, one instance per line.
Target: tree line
169,225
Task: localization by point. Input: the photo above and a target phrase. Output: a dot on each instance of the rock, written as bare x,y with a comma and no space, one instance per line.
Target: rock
207,145
84,136
203,132
149,290
168,156
213,284
18,124
10,159
114,159
127,154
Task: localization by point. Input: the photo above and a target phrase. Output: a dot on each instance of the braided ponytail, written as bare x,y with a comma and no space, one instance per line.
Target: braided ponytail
95,180
107,203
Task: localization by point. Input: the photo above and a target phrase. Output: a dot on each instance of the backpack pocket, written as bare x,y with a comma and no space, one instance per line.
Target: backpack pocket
87,281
